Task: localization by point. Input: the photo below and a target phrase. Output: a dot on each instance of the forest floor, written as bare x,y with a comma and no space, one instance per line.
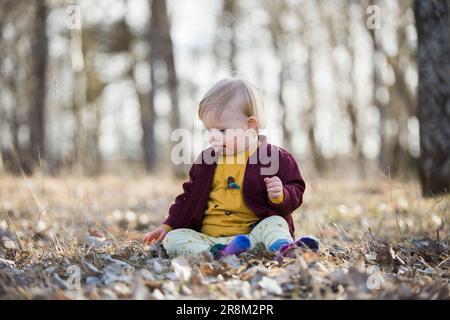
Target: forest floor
80,238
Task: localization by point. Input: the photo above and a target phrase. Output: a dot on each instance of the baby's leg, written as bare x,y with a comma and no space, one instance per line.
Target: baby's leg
187,241
273,232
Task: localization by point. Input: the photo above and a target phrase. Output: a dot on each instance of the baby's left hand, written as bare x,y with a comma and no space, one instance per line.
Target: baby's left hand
274,187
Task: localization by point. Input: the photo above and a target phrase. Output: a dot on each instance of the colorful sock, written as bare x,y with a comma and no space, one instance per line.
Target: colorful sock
216,249
237,246
288,248
279,243
308,242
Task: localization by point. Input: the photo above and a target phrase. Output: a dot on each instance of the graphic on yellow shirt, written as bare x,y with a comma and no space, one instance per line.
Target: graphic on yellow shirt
231,184
226,213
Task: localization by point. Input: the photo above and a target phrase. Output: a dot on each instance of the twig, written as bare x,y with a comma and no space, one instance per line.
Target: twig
438,246
442,262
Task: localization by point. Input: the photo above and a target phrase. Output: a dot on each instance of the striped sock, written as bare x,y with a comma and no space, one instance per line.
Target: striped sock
308,242
278,244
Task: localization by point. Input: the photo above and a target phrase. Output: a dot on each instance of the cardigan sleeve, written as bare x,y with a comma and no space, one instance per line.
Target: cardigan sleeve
176,218
293,184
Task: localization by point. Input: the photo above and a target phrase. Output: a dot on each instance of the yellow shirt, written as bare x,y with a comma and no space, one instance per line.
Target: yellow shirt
226,213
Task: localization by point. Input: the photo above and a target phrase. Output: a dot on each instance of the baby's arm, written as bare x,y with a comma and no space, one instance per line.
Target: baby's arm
285,191
176,216
173,220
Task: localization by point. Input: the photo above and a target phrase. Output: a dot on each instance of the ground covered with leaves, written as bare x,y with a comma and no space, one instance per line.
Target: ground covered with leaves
80,238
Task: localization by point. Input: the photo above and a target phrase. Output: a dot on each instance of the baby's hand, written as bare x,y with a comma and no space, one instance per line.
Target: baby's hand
274,187
156,235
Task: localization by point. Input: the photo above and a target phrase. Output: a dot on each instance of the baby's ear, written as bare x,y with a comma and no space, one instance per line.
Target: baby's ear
252,123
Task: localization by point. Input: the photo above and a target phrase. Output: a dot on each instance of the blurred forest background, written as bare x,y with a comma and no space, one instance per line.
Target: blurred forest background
90,92
97,87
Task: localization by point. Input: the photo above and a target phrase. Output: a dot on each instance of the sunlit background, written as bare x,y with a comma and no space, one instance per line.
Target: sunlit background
339,79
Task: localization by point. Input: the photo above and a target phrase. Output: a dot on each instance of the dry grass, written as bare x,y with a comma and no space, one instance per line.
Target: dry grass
380,240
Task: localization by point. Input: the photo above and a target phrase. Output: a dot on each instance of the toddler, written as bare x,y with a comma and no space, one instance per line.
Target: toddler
242,190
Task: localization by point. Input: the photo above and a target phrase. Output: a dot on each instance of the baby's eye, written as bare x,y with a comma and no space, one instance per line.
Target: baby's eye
212,130
220,130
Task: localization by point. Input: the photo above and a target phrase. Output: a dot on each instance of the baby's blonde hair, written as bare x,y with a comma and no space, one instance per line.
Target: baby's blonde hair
247,97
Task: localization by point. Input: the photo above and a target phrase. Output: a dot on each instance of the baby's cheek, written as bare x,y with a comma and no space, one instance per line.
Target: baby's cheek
230,142
239,141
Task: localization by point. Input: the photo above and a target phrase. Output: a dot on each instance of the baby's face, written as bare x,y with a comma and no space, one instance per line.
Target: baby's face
230,133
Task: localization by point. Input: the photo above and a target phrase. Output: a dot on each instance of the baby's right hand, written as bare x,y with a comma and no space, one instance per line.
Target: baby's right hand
156,235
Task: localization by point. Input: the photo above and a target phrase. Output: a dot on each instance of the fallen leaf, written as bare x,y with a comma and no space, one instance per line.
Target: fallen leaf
270,285
181,268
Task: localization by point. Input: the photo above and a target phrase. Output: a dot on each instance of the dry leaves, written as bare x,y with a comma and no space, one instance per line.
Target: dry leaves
90,249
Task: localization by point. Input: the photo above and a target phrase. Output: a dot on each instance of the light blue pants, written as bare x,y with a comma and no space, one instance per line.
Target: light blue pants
191,242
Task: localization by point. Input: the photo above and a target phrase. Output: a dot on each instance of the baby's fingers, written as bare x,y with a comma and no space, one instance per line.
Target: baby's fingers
149,238
275,189
274,184
162,236
272,180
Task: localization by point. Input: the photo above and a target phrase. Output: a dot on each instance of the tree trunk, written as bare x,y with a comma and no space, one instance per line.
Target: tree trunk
37,112
172,81
230,10
383,155
276,30
4,8
148,127
227,23
79,96
148,110
402,100
161,50
319,161
310,115
433,54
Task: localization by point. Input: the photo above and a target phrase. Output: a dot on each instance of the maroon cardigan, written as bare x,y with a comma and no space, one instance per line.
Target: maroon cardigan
188,211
